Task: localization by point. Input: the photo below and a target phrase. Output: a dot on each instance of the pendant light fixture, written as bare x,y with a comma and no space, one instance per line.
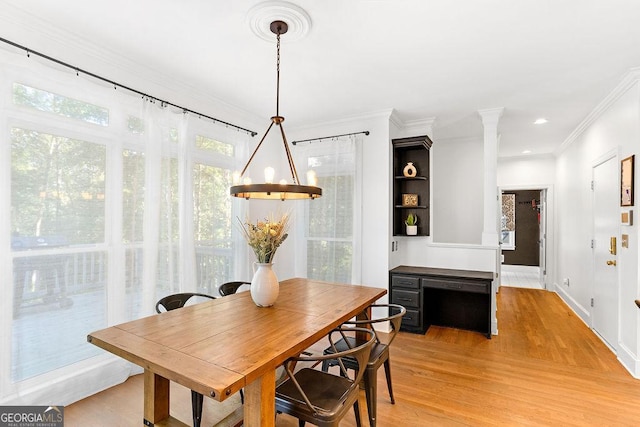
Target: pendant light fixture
242,186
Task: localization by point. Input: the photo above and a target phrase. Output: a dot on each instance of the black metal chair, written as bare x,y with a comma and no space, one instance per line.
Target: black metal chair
230,288
172,302
319,397
379,355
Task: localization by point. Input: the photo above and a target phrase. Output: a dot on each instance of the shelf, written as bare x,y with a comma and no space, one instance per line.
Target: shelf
413,150
413,178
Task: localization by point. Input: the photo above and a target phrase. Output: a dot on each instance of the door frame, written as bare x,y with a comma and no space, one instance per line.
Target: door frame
547,276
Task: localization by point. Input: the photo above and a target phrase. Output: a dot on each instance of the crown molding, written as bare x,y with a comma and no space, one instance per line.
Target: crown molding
520,157
461,139
417,126
630,78
395,120
345,121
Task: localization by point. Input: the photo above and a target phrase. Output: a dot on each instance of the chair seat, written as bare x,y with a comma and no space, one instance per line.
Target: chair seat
321,398
322,389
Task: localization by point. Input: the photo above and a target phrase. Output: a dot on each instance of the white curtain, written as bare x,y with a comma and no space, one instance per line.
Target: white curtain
111,201
330,241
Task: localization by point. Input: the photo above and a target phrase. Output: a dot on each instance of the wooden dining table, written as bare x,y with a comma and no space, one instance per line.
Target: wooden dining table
221,346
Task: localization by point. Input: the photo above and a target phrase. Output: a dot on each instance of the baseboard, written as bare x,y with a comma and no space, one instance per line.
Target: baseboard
578,309
629,360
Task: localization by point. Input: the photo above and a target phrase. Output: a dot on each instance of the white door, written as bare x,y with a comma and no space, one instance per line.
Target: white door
606,211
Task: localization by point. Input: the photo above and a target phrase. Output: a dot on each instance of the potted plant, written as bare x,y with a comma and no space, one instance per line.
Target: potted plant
411,223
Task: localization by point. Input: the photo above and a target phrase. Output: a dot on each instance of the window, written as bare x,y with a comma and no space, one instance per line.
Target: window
61,105
115,202
331,227
58,201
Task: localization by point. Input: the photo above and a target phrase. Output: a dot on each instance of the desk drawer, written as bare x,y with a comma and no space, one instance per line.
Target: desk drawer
406,298
405,281
480,287
411,319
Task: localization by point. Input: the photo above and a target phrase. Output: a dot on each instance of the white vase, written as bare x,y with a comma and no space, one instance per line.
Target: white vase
412,230
409,170
264,285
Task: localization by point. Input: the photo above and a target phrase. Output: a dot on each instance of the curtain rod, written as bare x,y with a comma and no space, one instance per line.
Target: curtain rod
366,132
119,85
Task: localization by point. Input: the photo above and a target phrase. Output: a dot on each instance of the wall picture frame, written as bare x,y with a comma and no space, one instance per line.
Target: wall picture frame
626,181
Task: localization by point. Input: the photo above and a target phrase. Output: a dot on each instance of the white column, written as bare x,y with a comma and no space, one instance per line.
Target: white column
490,118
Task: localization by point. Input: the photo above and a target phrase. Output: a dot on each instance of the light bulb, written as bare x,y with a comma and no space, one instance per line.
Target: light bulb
283,182
312,180
235,176
269,172
246,180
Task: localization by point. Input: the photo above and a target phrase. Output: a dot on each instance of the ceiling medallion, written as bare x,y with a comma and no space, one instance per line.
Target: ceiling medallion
263,14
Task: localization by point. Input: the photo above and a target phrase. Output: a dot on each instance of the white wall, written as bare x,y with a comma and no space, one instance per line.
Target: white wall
457,185
613,127
526,172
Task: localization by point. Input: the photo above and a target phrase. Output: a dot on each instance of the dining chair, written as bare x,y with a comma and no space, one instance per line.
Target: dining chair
230,288
379,354
319,397
172,302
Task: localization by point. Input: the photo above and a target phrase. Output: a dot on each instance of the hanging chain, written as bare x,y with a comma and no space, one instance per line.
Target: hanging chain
278,75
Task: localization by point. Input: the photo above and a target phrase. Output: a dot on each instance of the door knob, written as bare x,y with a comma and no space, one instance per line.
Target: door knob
611,262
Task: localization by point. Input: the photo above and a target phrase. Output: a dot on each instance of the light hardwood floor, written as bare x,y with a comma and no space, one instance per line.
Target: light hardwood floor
545,368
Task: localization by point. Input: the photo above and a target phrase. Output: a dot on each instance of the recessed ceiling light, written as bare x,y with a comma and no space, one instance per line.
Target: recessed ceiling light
526,152
540,121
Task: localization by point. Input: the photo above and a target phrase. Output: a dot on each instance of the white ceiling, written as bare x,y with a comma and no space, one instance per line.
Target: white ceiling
424,58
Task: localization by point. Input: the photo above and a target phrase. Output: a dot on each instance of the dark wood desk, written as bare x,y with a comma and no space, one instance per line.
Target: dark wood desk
220,346
444,297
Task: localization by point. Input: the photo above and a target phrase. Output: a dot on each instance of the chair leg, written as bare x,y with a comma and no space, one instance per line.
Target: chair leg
301,423
371,391
325,366
196,407
387,372
356,410
242,396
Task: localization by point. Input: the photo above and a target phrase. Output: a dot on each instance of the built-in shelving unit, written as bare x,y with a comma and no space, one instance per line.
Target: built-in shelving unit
415,150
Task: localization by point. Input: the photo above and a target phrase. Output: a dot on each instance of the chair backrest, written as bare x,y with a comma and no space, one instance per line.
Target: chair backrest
366,338
230,288
396,312
360,352
171,302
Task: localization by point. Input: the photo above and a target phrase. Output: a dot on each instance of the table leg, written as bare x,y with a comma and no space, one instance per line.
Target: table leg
259,401
156,398
364,315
